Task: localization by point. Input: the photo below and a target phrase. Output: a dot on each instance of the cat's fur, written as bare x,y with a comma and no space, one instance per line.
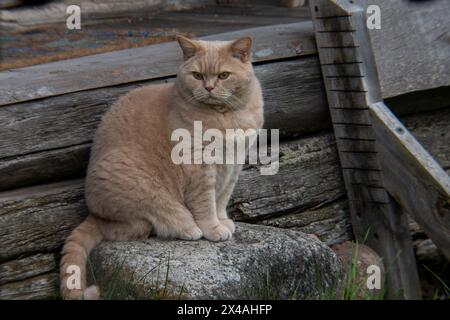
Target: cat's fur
133,188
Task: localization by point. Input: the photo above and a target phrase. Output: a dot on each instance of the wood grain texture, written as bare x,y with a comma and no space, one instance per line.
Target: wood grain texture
329,221
417,183
308,177
412,44
40,287
139,64
55,12
38,219
24,268
432,131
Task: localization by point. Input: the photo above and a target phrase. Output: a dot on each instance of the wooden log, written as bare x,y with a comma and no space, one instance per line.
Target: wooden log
308,178
41,287
38,219
24,268
139,64
330,222
44,166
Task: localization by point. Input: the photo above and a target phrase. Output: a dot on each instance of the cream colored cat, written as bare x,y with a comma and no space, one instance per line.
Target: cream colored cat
133,188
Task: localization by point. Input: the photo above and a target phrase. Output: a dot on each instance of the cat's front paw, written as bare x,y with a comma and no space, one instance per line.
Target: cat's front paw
191,233
229,224
217,233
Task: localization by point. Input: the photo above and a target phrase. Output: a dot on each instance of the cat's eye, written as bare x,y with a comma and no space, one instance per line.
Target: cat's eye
197,75
224,75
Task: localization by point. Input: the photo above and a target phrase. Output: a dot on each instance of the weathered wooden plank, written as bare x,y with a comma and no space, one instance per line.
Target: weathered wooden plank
432,131
55,11
357,116
144,63
328,10
44,166
330,222
40,287
39,218
419,101
375,218
416,50
167,13
347,55
349,131
344,39
308,177
24,268
412,176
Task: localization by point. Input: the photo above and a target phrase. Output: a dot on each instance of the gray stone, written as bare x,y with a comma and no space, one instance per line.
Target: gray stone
260,262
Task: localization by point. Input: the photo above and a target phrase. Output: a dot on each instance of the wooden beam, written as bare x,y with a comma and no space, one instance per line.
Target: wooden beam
27,267
351,82
412,47
413,178
41,287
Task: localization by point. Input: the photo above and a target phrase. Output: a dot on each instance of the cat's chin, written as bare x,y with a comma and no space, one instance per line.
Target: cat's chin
218,106
214,103
211,100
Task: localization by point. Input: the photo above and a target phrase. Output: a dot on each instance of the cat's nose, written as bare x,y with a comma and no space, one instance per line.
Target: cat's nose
209,88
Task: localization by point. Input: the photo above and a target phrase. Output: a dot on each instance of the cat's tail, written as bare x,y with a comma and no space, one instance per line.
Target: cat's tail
74,258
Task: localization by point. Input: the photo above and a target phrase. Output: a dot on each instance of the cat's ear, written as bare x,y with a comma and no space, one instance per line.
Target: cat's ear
189,47
241,48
